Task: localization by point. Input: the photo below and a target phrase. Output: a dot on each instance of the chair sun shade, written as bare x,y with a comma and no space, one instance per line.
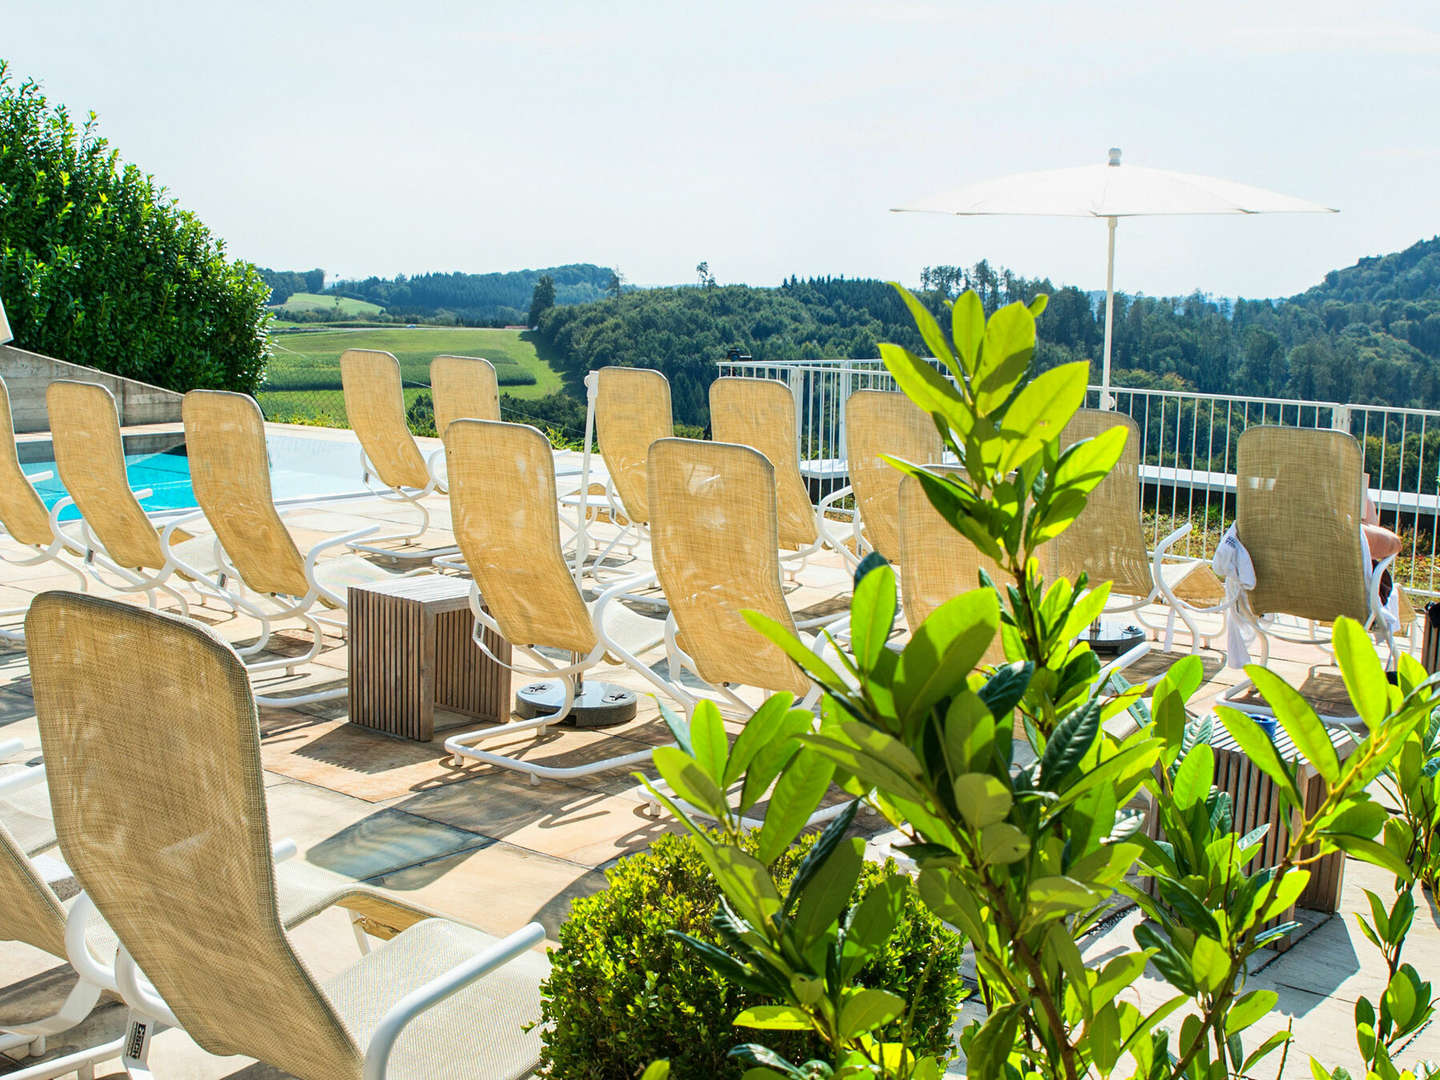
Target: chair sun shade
1107,538
463,388
159,804
632,410
90,457
760,413
502,491
21,510
715,546
1298,505
375,406
877,423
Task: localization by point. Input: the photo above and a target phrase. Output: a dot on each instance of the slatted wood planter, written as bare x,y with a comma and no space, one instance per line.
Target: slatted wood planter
1256,802
411,649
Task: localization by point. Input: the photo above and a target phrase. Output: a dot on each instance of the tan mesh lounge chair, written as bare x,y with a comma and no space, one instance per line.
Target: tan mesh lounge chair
628,409
715,547
461,388
230,472
393,467
877,423
507,522
1107,540
117,537
1298,501
761,413
24,516
173,848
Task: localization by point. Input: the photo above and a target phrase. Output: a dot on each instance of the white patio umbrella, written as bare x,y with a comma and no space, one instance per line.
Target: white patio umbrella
1111,191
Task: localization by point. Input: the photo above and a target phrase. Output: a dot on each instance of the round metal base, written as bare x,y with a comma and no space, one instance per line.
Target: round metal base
1112,634
599,704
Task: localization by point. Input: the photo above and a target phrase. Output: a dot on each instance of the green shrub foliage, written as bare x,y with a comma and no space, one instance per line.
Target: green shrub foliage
623,990
100,266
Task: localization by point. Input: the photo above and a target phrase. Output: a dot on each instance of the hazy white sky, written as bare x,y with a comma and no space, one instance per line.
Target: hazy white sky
767,138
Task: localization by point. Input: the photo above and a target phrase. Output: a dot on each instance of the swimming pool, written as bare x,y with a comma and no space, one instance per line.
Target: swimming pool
300,469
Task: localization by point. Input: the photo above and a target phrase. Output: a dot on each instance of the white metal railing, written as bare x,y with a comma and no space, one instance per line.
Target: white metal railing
1187,449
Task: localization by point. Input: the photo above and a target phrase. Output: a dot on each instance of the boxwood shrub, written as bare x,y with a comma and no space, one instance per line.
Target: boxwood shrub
622,993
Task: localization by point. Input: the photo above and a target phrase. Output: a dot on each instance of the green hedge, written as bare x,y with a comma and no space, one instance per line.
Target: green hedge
623,992
100,266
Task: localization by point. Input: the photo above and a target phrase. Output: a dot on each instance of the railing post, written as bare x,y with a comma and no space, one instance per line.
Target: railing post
837,451
1340,418
796,378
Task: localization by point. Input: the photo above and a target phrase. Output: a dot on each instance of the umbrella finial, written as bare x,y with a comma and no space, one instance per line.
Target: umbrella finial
1114,155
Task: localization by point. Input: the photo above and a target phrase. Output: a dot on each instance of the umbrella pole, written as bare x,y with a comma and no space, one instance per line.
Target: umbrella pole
1105,402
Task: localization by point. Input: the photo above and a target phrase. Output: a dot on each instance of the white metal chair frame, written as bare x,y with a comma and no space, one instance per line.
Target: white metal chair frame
56,551
380,490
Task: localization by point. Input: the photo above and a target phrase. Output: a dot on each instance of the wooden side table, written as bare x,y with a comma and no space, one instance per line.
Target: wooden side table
411,649
1255,802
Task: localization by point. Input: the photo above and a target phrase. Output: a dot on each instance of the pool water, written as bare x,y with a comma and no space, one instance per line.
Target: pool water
299,469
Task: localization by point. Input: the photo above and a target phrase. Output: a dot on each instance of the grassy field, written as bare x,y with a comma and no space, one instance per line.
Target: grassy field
304,301
302,381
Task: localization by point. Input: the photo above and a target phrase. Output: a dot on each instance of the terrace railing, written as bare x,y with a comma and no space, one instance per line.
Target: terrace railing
1187,450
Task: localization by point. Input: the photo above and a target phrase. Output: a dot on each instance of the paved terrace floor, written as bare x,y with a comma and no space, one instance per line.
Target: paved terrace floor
487,847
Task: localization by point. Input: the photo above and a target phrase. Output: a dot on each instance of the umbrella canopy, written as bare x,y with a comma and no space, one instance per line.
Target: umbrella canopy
1111,191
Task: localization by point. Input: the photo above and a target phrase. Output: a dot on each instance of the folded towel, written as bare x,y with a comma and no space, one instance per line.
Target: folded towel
1232,565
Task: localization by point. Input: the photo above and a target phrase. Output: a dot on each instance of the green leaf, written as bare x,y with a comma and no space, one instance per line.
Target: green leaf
943,650
1360,667
1041,410
967,328
746,884
707,735
1071,741
1371,852
930,331
763,726
1002,844
1209,963
688,781
724,964
1292,884
796,649
1005,354
1260,750
772,755
797,793
1264,1050
982,799
1299,720
775,1018
875,757
869,1009
657,1070
1194,778
925,386
819,853
828,892
1060,891
873,920
872,613
1084,464
1249,1008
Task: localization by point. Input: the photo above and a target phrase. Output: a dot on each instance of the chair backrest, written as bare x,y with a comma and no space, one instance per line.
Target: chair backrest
463,388
1107,539
507,523
31,913
1298,500
715,546
880,422
632,410
761,413
375,407
153,763
938,563
90,457
21,510
230,472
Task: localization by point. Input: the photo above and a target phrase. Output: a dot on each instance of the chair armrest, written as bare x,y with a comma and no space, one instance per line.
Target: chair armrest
40,477
382,1042
1121,662
335,541
21,778
138,992
10,746
283,850
170,528
77,950
1163,548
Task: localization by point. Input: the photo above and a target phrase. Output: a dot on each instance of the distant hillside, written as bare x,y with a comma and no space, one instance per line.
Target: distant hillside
1370,333
499,297
329,302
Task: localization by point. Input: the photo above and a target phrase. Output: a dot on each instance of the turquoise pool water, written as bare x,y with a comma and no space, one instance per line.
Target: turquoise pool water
299,469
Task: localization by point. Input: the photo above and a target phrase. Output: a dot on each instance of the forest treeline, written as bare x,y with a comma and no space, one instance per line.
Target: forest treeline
476,298
1369,333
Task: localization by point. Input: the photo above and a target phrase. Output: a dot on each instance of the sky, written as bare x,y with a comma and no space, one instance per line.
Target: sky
767,139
